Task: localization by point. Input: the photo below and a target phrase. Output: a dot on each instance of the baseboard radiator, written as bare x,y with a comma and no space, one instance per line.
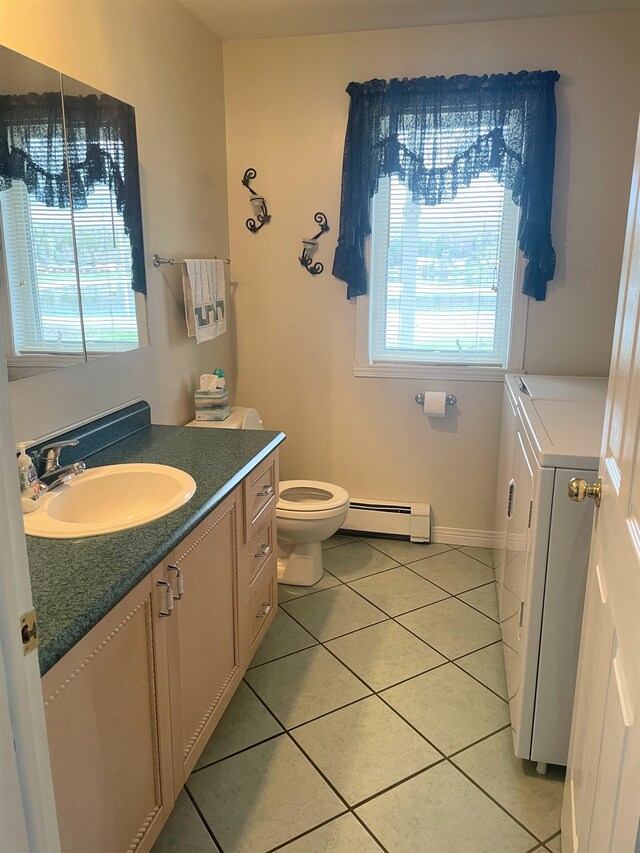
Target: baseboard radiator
409,520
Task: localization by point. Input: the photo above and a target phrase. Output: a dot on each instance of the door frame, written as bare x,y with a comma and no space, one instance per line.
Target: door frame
34,811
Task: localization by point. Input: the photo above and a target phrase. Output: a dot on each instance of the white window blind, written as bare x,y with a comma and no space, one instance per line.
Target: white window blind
442,276
40,272
104,265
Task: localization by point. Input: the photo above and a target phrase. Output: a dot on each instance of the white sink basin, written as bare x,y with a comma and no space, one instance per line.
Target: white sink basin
108,499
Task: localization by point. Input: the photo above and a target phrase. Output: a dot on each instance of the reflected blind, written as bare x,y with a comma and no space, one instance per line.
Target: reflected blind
104,265
442,276
40,271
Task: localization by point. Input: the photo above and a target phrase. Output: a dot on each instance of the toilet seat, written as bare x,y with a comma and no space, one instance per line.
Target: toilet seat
310,496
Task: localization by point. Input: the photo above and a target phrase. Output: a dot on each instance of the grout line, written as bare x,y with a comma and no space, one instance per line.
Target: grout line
370,831
341,544
500,806
287,654
202,817
314,592
475,678
307,832
476,742
382,698
362,628
477,609
324,714
418,559
320,772
237,752
369,575
397,784
477,559
439,586
479,649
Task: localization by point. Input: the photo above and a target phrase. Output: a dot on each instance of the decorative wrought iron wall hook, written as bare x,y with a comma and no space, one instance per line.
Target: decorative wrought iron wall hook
258,204
310,246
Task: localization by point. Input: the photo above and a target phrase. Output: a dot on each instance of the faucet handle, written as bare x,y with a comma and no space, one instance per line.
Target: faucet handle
51,452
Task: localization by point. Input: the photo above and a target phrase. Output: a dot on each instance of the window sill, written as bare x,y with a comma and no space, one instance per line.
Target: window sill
432,371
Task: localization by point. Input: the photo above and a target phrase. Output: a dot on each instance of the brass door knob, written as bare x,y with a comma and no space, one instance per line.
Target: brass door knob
579,490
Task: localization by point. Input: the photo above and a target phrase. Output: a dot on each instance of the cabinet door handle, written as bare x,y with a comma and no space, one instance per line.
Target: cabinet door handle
179,580
168,596
266,610
266,492
263,551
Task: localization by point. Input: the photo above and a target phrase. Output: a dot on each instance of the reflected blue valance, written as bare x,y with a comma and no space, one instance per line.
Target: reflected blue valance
100,145
437,134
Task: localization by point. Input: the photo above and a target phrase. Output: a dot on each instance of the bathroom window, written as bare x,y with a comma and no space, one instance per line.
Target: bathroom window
442,277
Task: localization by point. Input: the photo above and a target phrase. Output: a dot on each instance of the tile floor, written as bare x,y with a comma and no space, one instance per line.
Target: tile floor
373,717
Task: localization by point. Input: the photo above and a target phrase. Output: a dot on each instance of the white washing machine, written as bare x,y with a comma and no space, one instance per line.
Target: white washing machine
551,432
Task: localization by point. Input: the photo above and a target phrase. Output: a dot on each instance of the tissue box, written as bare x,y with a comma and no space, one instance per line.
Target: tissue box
212,405
217,415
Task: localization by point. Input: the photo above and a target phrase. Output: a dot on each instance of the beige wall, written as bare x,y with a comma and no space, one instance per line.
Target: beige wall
157,57
286,111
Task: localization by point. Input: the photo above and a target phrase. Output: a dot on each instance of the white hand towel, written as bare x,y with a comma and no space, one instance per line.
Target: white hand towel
203,285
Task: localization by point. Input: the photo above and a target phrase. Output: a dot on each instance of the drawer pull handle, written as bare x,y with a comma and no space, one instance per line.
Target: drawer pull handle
263,551
179,580
169,598
266,492
266,610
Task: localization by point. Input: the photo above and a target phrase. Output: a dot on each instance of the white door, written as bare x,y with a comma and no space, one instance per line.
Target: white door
27,804
601,807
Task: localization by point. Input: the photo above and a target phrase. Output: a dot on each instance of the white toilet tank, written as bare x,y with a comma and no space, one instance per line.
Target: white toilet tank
240,418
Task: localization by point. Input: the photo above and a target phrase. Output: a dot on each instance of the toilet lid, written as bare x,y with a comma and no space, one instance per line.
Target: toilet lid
310,496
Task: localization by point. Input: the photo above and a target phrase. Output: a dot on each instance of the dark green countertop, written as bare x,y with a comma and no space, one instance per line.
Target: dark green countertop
76,582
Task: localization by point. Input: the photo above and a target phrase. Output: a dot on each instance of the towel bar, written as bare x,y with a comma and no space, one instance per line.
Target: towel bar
157,261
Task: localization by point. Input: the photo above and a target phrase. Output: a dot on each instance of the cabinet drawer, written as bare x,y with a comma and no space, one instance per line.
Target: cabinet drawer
260,492
263,602
261,547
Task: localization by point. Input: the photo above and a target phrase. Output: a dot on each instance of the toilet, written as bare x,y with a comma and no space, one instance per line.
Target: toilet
307,512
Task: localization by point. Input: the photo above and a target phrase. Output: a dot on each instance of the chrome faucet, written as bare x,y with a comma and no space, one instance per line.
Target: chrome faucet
54,474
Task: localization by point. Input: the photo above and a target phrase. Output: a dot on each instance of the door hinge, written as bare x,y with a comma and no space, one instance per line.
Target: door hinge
29,631
521,614
530,513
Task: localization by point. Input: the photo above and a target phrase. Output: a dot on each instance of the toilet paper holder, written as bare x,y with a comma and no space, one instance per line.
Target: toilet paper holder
450,399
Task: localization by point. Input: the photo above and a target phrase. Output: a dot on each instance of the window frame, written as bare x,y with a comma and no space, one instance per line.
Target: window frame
406,369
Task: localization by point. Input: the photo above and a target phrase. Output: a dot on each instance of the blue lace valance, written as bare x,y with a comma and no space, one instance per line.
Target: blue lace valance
437,134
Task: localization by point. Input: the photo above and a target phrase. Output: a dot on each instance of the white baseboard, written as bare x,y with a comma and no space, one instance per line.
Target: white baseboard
463,536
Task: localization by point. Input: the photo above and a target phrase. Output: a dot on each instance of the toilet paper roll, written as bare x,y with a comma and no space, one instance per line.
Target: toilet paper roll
435,403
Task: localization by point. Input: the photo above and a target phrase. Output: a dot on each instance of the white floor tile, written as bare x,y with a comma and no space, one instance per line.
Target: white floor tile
438,811
304,685
364,748
534,800
448,707
263,797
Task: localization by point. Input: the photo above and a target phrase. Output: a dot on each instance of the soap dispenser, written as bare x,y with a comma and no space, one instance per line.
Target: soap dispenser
29,485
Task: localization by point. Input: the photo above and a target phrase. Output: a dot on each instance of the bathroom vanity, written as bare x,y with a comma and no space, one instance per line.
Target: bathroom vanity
131,703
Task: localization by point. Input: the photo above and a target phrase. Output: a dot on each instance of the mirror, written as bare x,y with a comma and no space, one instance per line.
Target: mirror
72,277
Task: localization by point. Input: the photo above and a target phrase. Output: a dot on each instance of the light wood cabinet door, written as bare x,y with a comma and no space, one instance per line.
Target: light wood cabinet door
107,714
203,632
